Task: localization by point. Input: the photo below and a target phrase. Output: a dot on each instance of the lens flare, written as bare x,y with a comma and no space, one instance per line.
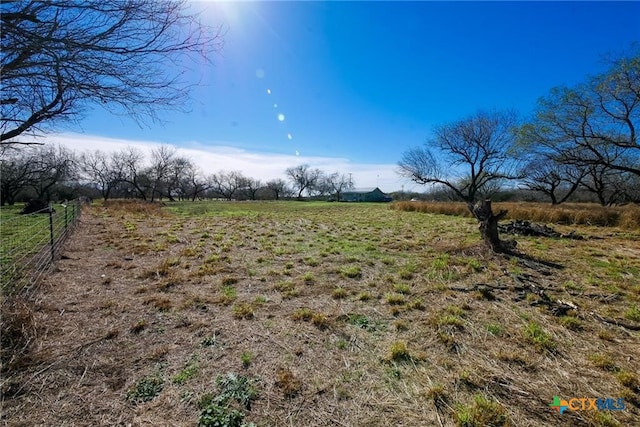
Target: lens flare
268,91
281,117
289,136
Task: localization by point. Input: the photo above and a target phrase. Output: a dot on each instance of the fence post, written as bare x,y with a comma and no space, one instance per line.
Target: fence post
65,218
53,253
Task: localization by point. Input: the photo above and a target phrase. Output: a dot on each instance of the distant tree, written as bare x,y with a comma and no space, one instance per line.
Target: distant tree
608,185
192,182
163,164
228,184
557,181
51,166
468,157
594,123
16,173
133,172
303,178
339,183
57,57
102,170
278,187
251,188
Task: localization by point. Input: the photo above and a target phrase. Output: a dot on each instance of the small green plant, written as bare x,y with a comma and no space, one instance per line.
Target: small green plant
402,288
145,390
186,374
475,264
633,313
441,262
351,272
229,294
536,335
308,278
311,262
394,299
628,379
243,311
339,293
415,304
603,361
261,299
237,387
364,296
209,341
398,352
572,323
246,358
218,415
287,289
303,313
482,412
451,320
495,329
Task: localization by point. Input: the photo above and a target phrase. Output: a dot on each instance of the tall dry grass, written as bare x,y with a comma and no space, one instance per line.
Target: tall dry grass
627,217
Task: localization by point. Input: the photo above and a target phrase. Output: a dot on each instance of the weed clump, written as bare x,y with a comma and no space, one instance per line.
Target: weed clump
482,412
541,339
218,411
145,390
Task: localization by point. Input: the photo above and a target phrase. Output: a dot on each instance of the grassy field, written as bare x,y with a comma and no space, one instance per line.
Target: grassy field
25,242
324,314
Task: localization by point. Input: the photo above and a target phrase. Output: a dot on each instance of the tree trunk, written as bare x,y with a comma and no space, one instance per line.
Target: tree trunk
489,226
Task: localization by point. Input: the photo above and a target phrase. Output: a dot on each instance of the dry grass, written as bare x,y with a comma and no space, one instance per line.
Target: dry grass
340,314
627,217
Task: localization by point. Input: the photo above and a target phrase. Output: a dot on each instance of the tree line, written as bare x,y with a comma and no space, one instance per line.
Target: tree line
580,139
53,172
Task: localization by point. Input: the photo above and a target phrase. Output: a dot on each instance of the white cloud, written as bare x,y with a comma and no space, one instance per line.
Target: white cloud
264,166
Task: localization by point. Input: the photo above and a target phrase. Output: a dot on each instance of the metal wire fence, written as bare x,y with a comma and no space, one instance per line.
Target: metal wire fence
30,244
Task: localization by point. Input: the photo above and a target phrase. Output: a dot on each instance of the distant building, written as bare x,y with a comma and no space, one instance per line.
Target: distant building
365,195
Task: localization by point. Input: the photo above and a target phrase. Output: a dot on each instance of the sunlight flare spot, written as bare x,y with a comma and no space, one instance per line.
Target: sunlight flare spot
268,91
259,73
289,136
275,105
281,117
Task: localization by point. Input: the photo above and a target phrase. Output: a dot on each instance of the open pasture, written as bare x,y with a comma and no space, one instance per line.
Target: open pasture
325,314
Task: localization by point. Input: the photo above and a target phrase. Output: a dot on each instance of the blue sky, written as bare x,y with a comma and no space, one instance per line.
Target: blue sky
350,86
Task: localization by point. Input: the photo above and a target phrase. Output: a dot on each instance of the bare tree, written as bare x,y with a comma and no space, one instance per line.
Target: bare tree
595,123
132,162
467,157
303,178
556,180
51,165
339,183
57,57
163,159
278,187
16,173
251,188
102,170
227,184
